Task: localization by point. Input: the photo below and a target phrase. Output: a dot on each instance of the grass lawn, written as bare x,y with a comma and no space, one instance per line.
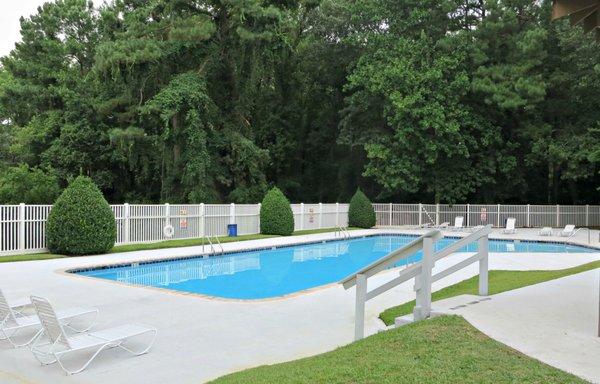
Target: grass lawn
499,281
445,349
163,244
29,257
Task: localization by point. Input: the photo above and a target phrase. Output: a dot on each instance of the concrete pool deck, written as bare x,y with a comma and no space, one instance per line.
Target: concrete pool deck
202,338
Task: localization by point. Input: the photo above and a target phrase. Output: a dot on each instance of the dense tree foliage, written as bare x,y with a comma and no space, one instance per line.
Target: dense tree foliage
213,100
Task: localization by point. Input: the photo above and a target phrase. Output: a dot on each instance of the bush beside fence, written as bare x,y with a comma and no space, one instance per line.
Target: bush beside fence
23,227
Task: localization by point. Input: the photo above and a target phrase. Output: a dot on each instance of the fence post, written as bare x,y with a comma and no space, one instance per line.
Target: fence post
390,206
359,311
301,216
420,216
126,223
437,214
422,308
587,215
232,213
557,216
498,217
468,214
483,265
528,215
22,227
258,229
167,213
337,214
320,215
202,221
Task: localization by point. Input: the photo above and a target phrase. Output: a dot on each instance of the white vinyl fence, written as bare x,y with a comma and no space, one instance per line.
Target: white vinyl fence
23,227
483,214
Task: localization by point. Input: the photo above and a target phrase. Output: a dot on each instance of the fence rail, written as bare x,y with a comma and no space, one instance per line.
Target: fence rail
23,227
483,214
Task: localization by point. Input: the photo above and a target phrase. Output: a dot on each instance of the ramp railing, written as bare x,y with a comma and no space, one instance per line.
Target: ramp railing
420,271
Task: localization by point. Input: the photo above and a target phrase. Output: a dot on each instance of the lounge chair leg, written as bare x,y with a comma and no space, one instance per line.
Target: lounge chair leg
84,366
143,351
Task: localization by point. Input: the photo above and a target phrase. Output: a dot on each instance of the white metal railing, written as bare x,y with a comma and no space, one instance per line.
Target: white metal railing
589,233
526,215
342,232
23,227
420,271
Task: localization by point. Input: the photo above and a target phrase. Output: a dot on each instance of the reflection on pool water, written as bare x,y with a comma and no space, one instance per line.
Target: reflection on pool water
280,271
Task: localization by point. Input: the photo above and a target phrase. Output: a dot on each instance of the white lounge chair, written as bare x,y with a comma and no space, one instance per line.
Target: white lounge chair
546,231
444,225
458,223
568,231
18,305
61,345
12,323
510,225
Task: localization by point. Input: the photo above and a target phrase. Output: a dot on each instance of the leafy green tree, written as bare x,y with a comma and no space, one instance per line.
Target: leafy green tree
21,184
209,100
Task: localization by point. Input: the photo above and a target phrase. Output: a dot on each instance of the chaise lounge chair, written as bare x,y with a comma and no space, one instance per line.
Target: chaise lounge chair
18,305
61,345
458,223
510,225
12,322
568,231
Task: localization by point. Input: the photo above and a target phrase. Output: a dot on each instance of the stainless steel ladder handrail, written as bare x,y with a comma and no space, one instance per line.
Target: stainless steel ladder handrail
212,247
580,229
342,231
220,245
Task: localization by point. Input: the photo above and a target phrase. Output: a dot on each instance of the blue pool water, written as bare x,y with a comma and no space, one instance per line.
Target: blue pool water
280,271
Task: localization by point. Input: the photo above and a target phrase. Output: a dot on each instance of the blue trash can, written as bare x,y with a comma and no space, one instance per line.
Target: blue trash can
232,230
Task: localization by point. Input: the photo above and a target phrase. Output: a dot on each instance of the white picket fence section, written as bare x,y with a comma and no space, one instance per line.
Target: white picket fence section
23,227
483,214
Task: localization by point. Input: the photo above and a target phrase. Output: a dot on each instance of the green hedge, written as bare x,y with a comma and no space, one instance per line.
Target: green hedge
81,221
276,217
361,213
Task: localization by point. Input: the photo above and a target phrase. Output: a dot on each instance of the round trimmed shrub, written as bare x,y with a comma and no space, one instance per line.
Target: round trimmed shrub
276,217
81,221
361,213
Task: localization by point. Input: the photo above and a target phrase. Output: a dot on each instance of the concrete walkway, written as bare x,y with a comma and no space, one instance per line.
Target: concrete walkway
555,322
202,338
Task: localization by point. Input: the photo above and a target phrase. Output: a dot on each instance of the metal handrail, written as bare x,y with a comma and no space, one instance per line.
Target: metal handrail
220,245
580,229
212,247
213,244
428,215
342,231
421,271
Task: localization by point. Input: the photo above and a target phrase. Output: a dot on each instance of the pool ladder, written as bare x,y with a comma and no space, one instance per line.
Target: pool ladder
213,244
342,232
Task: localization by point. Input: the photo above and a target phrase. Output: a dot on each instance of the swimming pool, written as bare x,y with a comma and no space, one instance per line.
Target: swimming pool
274,272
